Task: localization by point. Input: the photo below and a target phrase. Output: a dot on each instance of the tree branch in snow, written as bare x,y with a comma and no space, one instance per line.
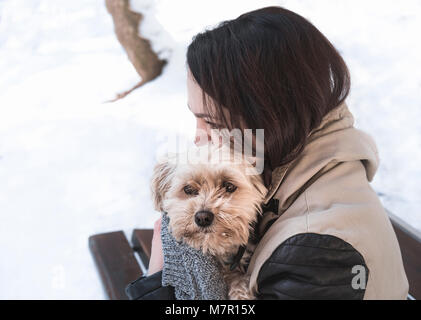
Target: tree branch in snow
138,49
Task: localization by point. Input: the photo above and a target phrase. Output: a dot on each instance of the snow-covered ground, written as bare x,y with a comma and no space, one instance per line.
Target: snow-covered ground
72,166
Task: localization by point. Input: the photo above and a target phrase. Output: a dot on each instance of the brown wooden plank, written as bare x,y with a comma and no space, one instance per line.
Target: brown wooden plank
142,243
115,261
410,243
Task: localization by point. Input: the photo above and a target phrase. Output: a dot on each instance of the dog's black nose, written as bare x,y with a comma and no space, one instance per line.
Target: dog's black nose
203,218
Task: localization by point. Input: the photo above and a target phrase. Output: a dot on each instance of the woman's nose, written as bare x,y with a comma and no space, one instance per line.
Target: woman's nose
197,140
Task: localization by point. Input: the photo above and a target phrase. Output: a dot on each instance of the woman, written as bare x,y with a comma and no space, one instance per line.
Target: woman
325,234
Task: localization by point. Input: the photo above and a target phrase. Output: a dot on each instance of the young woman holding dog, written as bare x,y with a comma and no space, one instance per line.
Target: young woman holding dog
325,234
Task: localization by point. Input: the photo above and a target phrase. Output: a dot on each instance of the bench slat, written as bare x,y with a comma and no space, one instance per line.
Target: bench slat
410,243
142,243
115,262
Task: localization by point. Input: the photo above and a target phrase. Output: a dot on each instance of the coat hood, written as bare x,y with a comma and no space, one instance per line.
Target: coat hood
334,141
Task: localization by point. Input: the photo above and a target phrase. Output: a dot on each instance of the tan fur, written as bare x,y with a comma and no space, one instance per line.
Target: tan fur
234,213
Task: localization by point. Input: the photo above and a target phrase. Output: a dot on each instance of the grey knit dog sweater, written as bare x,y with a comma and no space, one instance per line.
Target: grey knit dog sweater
193,275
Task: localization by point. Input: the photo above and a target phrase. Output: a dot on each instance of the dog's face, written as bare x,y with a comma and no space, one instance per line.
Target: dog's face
212,204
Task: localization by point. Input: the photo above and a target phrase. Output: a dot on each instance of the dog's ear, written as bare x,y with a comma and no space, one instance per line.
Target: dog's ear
261,190
258,184
161,181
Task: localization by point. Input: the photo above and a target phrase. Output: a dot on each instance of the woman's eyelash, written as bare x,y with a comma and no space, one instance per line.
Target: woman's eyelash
212,125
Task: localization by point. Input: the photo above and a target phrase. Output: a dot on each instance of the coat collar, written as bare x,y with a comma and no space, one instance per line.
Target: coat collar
337,119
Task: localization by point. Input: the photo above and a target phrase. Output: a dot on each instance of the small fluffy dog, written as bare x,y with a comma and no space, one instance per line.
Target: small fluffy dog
213,205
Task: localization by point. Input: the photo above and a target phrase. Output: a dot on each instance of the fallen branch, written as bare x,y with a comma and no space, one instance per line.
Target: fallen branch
138,49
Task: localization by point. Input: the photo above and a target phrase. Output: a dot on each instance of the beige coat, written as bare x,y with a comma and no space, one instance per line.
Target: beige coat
326,191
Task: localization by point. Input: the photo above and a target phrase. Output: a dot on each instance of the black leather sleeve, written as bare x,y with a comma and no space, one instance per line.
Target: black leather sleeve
313,266
149,288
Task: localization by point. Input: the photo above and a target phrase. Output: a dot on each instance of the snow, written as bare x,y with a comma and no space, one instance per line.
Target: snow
72,166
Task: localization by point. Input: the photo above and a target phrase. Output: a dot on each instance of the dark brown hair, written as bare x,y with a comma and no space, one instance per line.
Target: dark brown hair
273,70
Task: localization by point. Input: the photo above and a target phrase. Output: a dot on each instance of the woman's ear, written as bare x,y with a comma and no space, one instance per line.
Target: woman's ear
161,182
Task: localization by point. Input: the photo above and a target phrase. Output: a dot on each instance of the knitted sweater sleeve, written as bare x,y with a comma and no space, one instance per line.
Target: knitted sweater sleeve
193,275
187,274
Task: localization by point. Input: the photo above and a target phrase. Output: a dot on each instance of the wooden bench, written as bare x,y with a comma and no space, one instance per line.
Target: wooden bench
410,243
120,262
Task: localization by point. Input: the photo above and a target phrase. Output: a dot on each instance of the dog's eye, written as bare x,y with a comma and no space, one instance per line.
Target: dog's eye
189,190
229,187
